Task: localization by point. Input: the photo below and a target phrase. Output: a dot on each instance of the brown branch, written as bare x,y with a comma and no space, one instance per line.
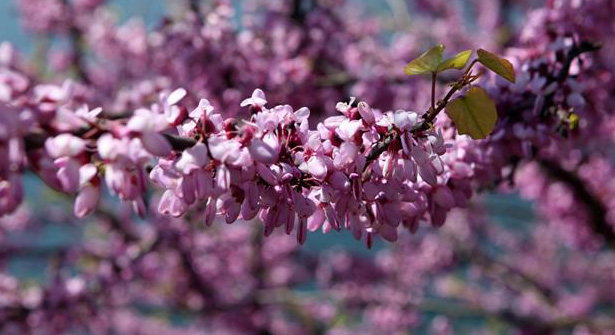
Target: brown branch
431,114
575,52
195,6
179,143
76,39
428,117
35,140
594,206
381,146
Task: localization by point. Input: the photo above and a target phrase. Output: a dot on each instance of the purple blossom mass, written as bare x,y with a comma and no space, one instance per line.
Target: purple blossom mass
181,178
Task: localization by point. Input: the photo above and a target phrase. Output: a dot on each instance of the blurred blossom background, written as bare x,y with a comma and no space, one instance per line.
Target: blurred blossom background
531,252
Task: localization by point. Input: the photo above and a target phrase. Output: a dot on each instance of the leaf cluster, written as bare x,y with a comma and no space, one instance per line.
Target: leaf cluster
473,113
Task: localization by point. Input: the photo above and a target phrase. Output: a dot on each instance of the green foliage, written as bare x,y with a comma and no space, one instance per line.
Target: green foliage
458,62
473,114
428,62
496,64
431,61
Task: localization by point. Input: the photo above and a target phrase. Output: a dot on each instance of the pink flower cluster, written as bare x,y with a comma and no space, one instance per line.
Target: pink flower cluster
274,167
363,170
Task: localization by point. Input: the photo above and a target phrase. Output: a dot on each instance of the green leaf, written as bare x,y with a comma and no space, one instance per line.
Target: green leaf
473,114
458,62
496,64
427,62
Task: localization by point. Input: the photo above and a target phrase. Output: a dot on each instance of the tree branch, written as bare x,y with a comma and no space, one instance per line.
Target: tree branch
179,143
594,206
575,52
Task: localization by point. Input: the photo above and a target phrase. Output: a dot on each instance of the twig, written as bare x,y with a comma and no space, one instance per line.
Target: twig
381,146
433,90
179,143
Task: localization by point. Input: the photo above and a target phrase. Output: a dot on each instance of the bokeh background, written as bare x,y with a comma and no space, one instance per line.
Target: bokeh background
498,268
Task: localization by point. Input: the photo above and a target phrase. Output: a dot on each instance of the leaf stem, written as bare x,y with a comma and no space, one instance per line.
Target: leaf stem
430,116
433,112
434,75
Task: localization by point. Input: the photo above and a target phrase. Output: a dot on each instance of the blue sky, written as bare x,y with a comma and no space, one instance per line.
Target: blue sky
11,31
149,10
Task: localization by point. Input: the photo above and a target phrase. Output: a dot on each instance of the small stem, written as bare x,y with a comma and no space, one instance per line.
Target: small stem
433,90
467,71
430,116
378,148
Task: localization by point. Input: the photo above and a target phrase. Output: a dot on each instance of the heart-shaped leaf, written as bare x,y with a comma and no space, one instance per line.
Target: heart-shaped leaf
458,62
427,62
496,64
473,114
